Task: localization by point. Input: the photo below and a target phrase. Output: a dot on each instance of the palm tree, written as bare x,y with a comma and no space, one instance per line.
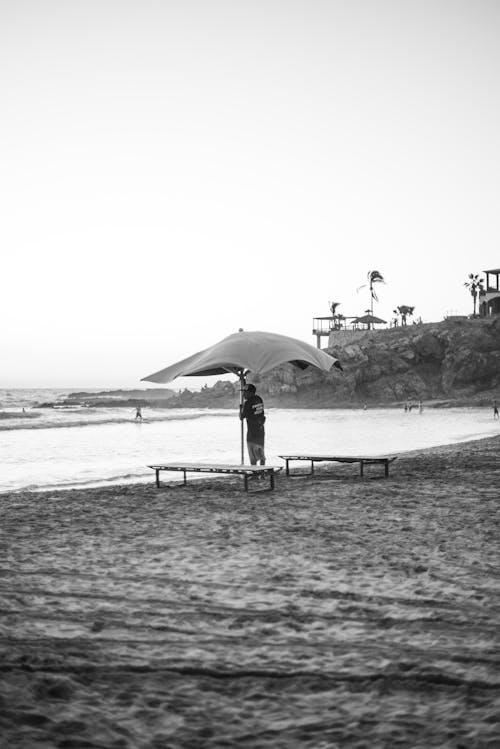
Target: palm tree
335,315
405,312
475,285
339,319
374,276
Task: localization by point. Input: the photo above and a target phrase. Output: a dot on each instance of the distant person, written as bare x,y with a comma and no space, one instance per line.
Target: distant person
406,407
420,407
495,410
138,413
253,411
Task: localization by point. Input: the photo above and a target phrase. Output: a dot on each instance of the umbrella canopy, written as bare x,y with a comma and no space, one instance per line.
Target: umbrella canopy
256,352
369,320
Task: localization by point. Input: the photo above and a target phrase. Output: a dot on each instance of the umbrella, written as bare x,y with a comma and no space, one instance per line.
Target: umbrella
369,320
243,352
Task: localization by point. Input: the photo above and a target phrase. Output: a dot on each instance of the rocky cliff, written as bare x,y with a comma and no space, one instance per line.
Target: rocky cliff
453,360
449,363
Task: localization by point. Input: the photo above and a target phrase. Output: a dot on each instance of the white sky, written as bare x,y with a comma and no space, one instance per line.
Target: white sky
171,171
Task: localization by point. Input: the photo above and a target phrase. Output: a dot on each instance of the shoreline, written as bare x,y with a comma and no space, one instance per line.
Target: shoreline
172,479
335,610
478,401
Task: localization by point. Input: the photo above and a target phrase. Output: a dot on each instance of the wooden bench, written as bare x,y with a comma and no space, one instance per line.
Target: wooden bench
240,470
363,460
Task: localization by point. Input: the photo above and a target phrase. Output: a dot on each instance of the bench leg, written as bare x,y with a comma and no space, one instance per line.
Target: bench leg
298,475
271,476
386,467
361,468
287,469
157,477
245,479
185,480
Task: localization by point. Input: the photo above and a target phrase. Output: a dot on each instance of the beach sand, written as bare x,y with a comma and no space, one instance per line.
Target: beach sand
334,611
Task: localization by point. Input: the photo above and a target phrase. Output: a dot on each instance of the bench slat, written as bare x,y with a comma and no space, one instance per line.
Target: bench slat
215,467
361,459
241,470
341,458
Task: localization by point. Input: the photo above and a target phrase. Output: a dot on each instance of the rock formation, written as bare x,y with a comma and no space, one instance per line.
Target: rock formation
453,362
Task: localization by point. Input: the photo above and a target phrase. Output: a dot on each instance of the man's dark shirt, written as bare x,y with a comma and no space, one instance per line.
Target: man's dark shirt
253,412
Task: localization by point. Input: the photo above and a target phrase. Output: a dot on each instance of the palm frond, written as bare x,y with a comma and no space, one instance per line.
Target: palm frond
374,276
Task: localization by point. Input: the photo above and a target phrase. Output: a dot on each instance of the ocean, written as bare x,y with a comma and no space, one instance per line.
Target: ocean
52,448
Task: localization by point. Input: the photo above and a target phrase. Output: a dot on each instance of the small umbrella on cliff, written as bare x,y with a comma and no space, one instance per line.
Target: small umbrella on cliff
369,320
244,352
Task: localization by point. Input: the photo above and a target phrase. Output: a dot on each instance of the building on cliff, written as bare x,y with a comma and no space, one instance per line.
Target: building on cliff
324,326
489,297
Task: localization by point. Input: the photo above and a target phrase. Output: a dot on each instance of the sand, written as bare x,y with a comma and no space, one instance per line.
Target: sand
333,612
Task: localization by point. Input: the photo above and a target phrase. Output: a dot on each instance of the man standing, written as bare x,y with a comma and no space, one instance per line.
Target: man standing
253,411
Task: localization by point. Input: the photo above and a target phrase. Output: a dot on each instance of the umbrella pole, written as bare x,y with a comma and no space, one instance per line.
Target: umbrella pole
242,385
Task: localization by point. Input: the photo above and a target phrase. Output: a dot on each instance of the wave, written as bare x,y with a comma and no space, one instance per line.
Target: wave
89,483
64,420
31,397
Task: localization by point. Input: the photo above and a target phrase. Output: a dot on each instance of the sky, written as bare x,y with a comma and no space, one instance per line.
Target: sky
174,171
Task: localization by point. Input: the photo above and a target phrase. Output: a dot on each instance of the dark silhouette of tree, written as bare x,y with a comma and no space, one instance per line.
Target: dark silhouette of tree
405,311
475,285
374,277
336,324
338,320
333,306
